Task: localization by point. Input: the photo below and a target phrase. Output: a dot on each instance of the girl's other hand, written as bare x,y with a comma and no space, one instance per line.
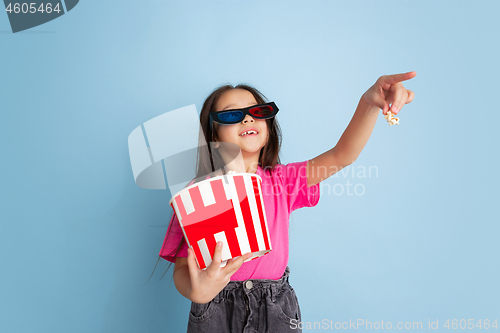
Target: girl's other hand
206,284
389,90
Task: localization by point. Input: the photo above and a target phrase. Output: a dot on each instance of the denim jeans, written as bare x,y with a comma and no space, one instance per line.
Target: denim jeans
251,306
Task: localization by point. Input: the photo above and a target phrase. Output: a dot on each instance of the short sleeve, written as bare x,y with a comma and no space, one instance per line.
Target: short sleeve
294,177
172,240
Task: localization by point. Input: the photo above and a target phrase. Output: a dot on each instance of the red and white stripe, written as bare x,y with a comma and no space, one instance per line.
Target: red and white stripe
228,208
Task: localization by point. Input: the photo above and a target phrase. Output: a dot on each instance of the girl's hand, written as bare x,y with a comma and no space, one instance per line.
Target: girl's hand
389,90
206,284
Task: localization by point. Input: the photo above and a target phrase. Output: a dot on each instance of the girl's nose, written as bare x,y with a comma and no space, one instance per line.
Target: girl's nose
248,118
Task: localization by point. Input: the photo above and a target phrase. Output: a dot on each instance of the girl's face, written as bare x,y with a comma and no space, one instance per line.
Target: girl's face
250,145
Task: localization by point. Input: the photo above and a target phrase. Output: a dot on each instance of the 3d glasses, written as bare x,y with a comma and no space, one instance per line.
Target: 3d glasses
234,116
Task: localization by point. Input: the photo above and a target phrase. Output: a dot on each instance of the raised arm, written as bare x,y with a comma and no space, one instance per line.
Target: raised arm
387,90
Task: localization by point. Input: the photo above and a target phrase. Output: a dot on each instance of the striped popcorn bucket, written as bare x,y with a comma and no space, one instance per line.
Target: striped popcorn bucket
227,208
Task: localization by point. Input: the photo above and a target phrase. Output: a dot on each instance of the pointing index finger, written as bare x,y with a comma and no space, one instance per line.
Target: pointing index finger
395,78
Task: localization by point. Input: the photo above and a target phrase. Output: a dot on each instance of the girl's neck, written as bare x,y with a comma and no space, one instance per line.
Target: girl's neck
244,165
252,168
251,162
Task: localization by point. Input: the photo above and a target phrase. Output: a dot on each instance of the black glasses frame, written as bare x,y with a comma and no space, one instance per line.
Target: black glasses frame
214,115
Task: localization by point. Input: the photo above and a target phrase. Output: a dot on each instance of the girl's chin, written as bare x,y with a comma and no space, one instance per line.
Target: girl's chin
250,150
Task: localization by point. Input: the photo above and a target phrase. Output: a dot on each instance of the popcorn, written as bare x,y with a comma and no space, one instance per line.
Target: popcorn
231,171
391,119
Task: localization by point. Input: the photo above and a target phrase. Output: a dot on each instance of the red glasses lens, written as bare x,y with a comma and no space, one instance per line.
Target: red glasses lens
261,111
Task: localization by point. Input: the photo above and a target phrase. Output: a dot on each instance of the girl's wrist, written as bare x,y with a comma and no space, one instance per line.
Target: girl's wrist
366,106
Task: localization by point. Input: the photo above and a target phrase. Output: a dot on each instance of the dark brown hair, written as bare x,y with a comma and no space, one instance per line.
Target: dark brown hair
208,162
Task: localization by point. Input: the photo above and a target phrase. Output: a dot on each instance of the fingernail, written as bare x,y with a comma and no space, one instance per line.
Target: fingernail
219,244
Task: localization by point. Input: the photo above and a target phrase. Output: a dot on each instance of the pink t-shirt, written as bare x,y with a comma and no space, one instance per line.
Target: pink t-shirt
284,190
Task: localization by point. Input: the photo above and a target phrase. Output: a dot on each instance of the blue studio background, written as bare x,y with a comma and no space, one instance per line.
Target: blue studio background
417,242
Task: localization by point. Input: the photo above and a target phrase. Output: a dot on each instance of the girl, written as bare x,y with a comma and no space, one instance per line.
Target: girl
256,296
